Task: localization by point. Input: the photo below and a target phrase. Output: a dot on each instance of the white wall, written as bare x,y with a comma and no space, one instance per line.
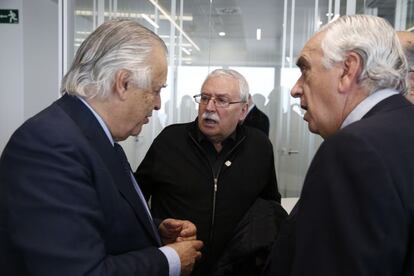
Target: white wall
41,54
11,74
28,63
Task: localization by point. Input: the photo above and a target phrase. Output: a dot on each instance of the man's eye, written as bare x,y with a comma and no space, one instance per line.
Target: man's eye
204,98
222,100
304,69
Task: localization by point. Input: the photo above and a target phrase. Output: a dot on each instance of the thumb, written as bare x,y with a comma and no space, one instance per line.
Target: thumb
172,224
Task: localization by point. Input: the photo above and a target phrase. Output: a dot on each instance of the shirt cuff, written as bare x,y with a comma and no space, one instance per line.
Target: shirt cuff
173,259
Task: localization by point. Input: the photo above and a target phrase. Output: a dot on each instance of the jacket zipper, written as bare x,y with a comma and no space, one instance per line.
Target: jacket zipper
213,212
215,185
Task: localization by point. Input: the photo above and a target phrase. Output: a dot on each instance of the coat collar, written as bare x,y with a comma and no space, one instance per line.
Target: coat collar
389,104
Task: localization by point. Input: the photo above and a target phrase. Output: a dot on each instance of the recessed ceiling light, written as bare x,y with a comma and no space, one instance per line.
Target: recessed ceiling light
222,34
258,34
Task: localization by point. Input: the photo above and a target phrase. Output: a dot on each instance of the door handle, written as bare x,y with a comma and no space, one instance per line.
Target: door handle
285,151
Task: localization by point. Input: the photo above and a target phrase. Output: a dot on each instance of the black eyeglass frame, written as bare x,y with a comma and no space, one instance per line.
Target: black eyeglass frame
198,97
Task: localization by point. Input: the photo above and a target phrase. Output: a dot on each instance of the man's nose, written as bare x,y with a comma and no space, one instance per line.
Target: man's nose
297,89
157,102
211,105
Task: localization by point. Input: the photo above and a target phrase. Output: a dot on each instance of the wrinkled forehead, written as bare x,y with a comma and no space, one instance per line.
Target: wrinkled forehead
311,49
314,44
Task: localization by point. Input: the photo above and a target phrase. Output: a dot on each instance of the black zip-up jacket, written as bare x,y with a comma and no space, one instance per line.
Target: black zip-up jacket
178,177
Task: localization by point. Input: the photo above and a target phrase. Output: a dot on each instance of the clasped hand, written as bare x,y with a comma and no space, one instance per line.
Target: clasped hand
181,236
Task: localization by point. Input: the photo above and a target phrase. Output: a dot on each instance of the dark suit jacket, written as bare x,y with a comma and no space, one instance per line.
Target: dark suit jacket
256,118
67,206
356,211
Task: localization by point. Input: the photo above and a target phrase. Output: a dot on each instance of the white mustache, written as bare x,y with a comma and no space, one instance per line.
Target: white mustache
211,116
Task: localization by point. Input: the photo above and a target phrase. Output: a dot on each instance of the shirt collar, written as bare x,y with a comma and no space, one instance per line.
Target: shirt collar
100,120
366,105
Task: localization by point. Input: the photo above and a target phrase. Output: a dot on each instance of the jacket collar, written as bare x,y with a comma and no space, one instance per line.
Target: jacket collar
389,104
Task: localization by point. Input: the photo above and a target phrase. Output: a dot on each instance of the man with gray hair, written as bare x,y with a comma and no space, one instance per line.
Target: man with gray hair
356,209
211,172
407,43
69,204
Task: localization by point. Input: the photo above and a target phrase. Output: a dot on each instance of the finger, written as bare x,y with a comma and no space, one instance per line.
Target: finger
173,224
198,255
190,238
188,230
187,233
197,244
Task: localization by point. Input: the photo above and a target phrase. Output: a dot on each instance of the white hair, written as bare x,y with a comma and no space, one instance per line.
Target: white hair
375,41
243,85
114,45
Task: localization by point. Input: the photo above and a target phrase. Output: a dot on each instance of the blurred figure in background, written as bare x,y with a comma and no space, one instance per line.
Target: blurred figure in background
256,118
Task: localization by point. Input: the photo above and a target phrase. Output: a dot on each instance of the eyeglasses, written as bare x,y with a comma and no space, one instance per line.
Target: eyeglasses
218,101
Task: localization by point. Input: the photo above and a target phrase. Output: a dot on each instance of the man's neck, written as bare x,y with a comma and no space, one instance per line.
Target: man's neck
218,146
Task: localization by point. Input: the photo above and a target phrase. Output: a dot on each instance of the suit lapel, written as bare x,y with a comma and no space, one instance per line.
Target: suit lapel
91,128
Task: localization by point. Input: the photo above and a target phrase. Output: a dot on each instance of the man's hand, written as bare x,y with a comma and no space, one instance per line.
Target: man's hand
189,252
174,230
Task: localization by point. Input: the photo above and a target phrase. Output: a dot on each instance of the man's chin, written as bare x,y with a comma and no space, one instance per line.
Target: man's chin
137,130
313,129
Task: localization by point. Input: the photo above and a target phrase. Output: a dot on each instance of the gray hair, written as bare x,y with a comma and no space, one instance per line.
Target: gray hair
375,41
243,85
114,45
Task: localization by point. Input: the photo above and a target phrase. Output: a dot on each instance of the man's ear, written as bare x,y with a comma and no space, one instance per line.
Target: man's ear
243,115
352,67
121,83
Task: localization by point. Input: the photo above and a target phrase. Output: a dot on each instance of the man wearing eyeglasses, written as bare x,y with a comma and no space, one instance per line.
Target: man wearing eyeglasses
211,171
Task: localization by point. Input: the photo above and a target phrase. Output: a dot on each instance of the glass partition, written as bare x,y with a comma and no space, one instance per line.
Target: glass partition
260,39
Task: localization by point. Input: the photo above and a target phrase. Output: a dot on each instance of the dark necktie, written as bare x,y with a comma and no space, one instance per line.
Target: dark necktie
125,164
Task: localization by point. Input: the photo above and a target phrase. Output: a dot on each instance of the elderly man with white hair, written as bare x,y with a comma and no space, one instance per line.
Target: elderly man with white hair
69,204
355,214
